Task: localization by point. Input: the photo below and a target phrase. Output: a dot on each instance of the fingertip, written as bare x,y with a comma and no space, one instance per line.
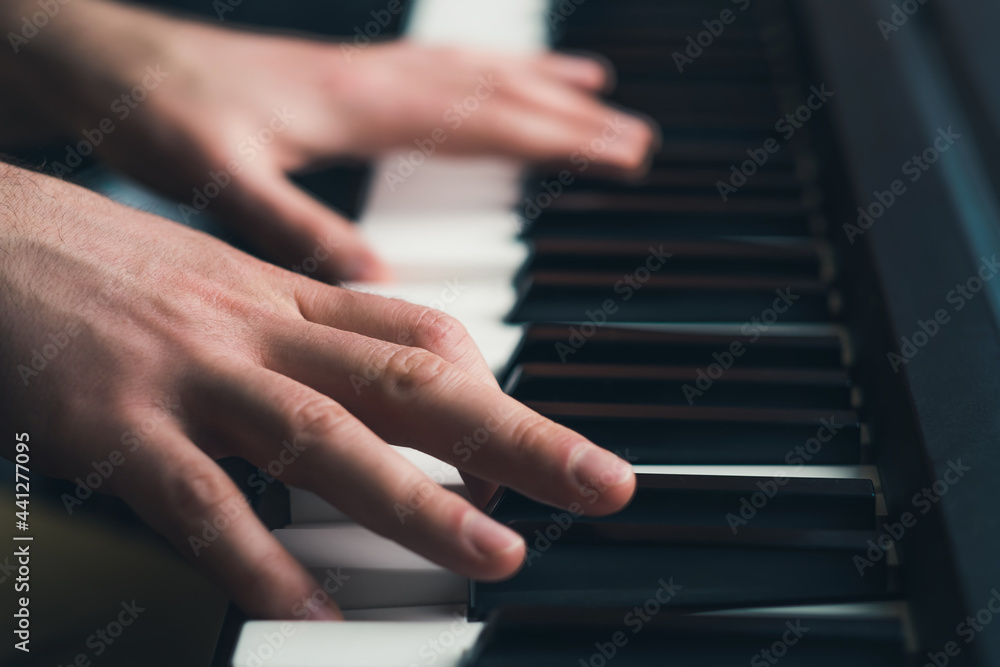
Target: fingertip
498,549
592,72
606,482
636,147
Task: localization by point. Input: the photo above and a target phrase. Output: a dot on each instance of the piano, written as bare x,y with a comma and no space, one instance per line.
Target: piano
789,328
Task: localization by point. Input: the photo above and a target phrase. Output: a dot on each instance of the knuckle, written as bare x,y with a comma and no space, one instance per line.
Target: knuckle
435,330
203,493
411,370
533,435
528,431
317,418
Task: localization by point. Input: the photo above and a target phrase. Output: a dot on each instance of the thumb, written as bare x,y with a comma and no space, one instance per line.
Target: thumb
297,230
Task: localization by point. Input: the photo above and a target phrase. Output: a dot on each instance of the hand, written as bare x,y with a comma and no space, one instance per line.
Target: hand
241,110
135,344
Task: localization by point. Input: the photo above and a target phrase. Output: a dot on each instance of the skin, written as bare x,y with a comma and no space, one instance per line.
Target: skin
223,86
206,352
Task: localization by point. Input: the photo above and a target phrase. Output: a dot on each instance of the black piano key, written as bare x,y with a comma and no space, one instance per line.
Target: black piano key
650,62
781,180
552,343
717,153
574,297
702,96
803,259
676,385
688,18
613,202
655,636
571,563
606,38
719,500
542,222
683,435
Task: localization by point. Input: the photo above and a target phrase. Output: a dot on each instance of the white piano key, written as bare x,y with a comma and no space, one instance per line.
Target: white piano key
817,471
882,609
306,507
354,644
443,185
439,248
807,329
510,25
377,572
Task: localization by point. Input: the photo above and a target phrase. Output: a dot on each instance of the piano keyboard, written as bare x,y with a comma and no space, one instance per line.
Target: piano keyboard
701,339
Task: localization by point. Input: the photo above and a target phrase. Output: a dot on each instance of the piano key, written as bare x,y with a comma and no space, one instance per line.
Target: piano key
554,636
375,571
673,385
717,153
698,435
550,343
818,471
629,225
780,178
690,96
707,500
803,259
609,564
439,248
569,297
645,63
354,644
608,37
678,204
690,107
632,14
513,25
417,613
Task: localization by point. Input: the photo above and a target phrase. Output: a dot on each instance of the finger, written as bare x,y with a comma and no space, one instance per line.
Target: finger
394,321
414,398
185,496
623,141
298,229
403,323
330,452
591,72
559,99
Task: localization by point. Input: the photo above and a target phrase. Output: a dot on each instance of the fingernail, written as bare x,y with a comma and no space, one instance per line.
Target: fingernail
599,469
489,537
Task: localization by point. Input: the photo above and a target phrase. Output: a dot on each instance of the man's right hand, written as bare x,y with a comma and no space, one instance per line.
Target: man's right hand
131,339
